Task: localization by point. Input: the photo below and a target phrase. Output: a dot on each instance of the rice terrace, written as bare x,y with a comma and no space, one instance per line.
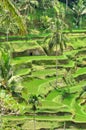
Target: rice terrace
42,64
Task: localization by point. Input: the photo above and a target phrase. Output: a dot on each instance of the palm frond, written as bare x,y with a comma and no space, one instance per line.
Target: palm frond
7,4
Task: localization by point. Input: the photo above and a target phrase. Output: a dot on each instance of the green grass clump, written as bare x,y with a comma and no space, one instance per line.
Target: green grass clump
80,71
44,73
26,59
78,43
23,71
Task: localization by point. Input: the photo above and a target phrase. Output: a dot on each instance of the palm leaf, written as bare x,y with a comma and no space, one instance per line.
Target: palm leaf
7,4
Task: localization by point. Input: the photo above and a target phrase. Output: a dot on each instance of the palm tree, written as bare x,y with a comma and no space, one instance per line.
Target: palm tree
57,37
14,13
7,79
44,4
79,10
28,6
9,83
34,101
7,24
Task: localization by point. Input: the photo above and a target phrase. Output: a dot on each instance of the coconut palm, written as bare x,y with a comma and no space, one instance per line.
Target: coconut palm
79,9
28,6
8,24
14,13
57,37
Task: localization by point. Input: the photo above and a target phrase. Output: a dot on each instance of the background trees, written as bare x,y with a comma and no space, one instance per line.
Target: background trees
28,6
20,16
14,13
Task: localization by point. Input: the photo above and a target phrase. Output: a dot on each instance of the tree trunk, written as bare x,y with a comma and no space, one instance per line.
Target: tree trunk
56,67
7,34
1,121
80,22
64,126
34,121
66,5
1,115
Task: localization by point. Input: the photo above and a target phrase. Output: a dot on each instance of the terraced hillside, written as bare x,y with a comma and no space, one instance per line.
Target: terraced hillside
62,105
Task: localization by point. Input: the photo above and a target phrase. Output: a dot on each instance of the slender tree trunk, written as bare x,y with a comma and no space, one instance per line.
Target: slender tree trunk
7,34
1,114
34,121
1,121
56,67
64,126
80,21
66,5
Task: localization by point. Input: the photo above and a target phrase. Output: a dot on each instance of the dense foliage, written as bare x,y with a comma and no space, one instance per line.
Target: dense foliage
42,64
18,17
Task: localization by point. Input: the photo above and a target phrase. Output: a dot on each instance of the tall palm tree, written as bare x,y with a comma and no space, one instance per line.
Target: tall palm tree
14,13
57,37
79,9
34,101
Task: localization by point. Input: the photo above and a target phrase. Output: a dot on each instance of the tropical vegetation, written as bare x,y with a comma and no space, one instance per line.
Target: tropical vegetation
42,64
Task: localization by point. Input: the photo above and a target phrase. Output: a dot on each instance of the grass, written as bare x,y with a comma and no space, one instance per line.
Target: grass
52,95
77,43
32,86
25,59
68,100
37,86
80,71
42,118
77,87
76,31
81,58
40,78
71,53
23,71
44,73
71,64
19,46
